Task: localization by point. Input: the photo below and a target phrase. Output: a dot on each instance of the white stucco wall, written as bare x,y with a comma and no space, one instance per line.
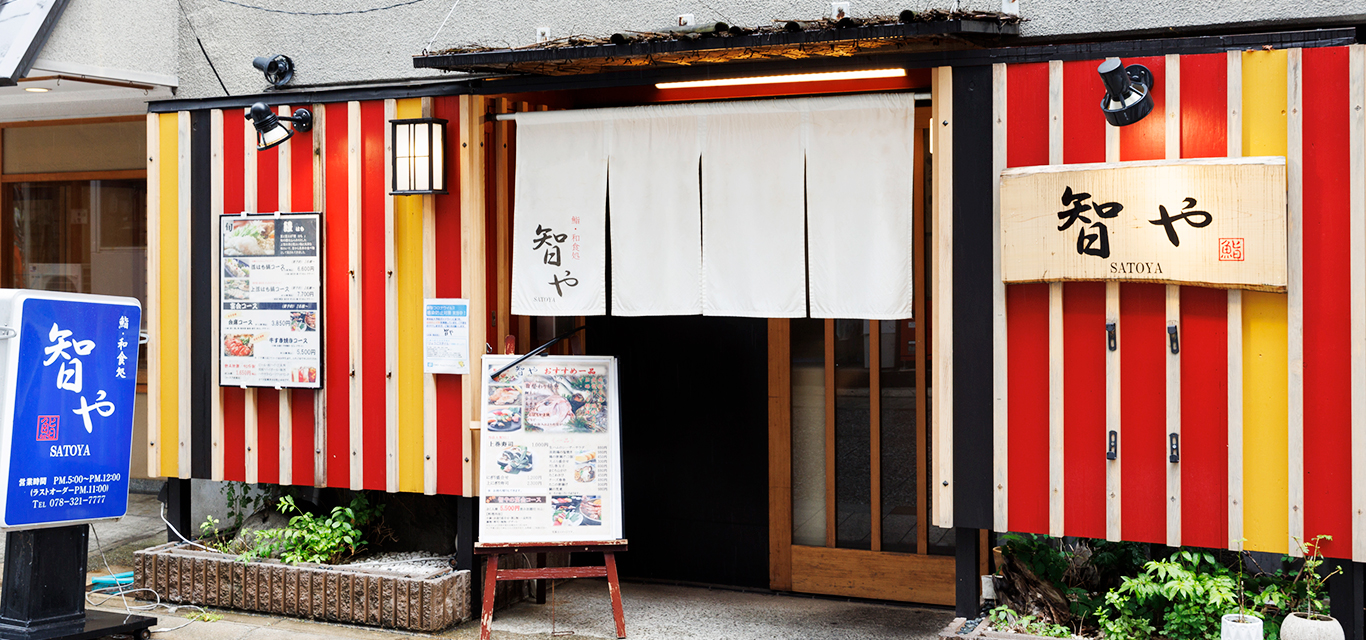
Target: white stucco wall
154,36
137,36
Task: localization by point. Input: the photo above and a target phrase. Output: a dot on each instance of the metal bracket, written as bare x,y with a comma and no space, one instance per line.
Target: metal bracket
6,333
1173,339
1112,446
1110,340
1173,447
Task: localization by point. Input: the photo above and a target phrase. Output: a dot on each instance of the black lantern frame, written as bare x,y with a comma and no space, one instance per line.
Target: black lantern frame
419,151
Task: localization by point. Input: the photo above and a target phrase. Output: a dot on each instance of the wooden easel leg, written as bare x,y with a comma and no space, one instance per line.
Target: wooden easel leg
490,588
614,588
540,584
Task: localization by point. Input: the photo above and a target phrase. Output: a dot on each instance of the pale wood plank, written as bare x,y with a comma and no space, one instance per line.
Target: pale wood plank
215,242
1235,325
1056,412
1295,302
875,430
1056,382
184,218
249,205
881,575
1000,413
390,312
319,201
830,520
1174,418
502,178
1357,135
943,295
285,407
1113,416
429,450
154,373
1173,360
779,454
358,372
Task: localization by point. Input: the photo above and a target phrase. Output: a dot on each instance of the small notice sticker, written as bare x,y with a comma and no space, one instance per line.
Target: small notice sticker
1230,249
47,428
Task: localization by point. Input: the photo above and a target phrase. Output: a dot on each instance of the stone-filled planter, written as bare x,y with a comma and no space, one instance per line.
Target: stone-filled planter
982,631
418,602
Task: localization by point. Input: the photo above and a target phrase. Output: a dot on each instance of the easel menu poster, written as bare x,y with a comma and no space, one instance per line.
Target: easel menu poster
270,285
550,463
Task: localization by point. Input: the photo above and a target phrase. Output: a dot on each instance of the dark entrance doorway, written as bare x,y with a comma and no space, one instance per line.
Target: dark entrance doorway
694,437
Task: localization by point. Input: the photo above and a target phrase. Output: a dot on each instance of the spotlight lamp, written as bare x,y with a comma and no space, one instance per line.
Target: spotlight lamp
279,69
419,164
269,131
1128,96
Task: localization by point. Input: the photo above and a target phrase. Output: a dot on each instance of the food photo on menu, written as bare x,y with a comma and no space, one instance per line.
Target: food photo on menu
575,511
586,466
503,420
249,238
515,459
566,403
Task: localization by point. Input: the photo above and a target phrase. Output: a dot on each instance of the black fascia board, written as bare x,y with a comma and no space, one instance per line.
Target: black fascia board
425,89
487,60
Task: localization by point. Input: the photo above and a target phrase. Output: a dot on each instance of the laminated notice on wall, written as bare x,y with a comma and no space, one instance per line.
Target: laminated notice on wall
445,335
550,463
270,288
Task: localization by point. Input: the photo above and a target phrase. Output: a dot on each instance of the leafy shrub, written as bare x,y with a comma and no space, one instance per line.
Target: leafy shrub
1004,618
311,538
1180,597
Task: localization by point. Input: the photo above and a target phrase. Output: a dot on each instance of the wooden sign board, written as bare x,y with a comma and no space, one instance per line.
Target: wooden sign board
1218,222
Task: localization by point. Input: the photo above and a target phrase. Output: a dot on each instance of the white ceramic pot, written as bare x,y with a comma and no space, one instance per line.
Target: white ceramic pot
1240,627
1304,626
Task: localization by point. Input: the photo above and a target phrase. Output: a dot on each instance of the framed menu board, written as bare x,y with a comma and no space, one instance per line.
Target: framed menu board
550,463
270,289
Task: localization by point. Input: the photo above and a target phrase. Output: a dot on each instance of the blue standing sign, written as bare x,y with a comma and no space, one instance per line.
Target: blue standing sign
68,384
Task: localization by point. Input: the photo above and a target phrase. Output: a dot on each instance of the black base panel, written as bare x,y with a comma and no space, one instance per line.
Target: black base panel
97,624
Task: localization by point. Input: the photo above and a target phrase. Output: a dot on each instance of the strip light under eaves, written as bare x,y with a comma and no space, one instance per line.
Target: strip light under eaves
799,77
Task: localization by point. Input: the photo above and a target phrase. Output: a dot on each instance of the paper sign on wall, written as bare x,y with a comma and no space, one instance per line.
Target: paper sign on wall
1216,222
445,335
550,463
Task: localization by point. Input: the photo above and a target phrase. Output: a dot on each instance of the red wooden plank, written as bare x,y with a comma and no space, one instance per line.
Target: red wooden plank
1204,416
1327,293
1027,114
234,417
449,430
1083,124
1204,108
301,400
552,573
234,434
1146,139
301,441
1027,416
1143,405
337,367
372,285
268,436
1083,308
233,160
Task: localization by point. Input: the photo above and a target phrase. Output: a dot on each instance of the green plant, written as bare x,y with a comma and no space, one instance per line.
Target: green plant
205,616
1186,594
245,499
1313,581
311,538
1003,618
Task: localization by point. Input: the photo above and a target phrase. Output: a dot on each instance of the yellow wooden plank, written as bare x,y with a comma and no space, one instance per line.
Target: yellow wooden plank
408,270
1265,344
154,389
168,288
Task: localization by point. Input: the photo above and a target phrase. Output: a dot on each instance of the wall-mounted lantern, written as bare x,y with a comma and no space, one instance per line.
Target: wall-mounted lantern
419,163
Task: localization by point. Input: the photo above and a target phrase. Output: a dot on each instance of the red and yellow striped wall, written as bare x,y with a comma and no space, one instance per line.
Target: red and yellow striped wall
1268,392
378,422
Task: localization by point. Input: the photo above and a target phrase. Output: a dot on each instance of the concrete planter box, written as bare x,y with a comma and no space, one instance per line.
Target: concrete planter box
417,602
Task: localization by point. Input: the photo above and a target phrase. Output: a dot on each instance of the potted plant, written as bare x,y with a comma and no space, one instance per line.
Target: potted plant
1241,625
1312,623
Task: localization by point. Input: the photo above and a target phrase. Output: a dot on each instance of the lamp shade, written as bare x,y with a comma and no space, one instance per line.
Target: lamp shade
419,163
